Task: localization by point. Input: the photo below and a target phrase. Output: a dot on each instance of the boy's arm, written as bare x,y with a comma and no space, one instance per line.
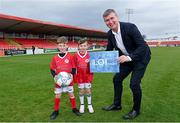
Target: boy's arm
53,68
73,71
73,61
53,73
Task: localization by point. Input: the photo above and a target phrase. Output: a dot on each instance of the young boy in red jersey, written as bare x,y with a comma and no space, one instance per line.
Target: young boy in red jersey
62,62
83,75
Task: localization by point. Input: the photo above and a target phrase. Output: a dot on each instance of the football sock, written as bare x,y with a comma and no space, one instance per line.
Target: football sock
56,104
81,97
73,102
88,99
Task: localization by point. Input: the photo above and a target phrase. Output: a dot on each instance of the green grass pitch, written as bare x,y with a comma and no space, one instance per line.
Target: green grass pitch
26,91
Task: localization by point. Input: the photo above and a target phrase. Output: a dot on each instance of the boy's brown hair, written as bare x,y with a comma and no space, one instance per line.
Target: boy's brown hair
62,39
83,40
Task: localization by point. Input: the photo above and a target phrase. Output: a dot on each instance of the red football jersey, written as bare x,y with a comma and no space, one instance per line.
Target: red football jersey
83,68
62,64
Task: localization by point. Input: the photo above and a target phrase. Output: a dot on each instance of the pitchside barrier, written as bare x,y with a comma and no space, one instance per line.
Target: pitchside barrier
11,52
14,52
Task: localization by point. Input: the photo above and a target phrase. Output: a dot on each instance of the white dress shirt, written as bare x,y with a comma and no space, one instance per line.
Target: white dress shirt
119,42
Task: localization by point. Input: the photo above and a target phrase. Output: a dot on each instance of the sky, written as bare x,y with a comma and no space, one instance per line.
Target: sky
154,18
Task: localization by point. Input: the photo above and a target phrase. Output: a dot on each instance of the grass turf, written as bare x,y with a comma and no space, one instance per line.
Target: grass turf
26,91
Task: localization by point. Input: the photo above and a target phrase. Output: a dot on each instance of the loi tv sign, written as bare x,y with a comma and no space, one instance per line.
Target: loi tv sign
105,61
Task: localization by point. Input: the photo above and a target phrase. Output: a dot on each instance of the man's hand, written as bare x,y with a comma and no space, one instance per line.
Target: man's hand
123,59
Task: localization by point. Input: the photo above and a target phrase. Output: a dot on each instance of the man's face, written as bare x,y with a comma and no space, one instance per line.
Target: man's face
112,21
83,47
62,47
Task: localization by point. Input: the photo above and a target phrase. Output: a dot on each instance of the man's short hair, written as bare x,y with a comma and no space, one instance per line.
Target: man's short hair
62,39
109,11
83,40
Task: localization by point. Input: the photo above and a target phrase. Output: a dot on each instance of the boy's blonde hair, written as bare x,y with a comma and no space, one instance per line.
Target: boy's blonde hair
83,40
62,39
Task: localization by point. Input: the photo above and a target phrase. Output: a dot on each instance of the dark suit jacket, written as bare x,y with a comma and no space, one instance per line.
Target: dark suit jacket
133,41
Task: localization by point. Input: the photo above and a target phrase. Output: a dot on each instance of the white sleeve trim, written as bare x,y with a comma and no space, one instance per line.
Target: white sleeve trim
129,58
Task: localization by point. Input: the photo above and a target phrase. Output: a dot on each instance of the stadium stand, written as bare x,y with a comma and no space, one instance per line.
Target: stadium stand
72,44
22,43
12,42
40,43
163,43
17,33
5,45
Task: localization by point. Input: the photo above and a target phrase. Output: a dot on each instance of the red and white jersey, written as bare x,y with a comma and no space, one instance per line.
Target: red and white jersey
62,64
83,68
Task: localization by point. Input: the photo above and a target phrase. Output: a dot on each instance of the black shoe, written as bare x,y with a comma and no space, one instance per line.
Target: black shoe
131,115
75,111
111,108
54,115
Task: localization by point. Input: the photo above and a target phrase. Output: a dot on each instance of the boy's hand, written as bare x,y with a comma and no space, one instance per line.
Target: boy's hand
56,81
71,75
55,78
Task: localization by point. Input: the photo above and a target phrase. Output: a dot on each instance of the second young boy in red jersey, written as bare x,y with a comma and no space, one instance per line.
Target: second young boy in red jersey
83,77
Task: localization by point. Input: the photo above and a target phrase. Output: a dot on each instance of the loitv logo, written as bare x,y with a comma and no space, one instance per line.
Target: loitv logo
104,61
99,62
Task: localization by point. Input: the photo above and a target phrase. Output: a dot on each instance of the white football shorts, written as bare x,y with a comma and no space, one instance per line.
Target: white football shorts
84,85
68,89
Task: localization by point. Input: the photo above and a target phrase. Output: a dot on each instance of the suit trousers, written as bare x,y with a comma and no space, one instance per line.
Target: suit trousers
137,71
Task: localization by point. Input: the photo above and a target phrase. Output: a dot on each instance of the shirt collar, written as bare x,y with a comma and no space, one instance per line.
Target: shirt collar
115,33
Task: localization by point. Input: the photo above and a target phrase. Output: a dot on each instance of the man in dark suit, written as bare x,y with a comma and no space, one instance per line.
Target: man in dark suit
134,56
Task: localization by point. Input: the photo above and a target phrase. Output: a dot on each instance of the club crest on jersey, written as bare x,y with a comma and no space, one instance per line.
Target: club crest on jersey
66,61
87,60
